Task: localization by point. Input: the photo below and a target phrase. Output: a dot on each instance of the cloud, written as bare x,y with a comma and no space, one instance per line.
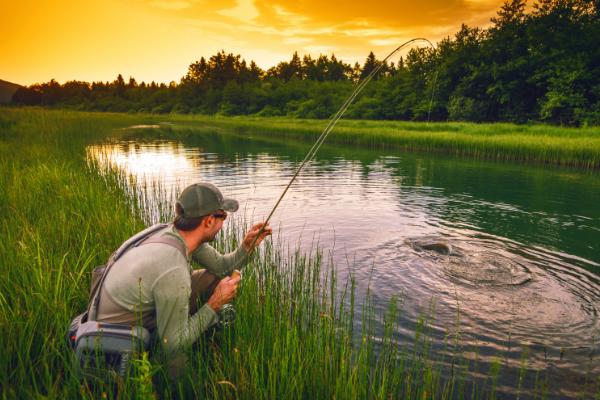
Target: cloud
394,14
387,42
244,10
171,5
289,17
350,31
369,32
318,49
297,40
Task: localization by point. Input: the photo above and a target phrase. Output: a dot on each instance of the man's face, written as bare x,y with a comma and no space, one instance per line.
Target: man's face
217,219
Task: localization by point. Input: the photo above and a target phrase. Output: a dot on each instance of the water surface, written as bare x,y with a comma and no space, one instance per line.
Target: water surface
507,252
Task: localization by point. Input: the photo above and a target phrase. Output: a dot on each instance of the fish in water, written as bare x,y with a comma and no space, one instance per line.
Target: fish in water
432,243
473,264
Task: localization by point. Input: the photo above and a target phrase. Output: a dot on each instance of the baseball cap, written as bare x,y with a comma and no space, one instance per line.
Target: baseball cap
202,199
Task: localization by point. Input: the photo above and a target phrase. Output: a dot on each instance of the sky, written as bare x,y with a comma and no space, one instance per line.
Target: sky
156,40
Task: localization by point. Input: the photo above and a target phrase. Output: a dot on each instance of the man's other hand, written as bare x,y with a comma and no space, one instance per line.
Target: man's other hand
224,293
253,233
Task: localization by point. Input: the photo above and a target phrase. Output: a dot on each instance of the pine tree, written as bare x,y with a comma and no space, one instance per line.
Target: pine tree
370,64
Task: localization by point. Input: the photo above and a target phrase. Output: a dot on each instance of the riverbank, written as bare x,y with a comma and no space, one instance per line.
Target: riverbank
540,144
292,337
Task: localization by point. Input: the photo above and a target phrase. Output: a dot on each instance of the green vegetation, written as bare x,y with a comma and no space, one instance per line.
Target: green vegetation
578,147
293,337
59,221
542,144
539,65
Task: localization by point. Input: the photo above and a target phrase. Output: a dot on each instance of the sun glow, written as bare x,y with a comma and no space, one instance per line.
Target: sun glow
156,40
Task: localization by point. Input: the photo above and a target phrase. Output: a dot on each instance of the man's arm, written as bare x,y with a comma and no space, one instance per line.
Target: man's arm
222,265
217,263
176,328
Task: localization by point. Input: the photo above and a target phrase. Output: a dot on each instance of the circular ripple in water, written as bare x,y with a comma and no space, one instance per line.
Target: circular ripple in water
491,269
511,293
474,264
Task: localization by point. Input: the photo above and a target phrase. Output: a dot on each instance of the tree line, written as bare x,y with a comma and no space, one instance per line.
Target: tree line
541,65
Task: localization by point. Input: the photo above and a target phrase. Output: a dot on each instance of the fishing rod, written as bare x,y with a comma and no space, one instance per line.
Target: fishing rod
317,145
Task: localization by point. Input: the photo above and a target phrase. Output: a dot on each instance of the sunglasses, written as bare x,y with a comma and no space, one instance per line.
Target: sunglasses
222,216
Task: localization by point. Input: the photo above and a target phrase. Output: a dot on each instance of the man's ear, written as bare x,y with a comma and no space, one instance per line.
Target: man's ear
207,221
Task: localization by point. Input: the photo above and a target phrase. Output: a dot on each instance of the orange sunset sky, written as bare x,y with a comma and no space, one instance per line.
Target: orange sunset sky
158,39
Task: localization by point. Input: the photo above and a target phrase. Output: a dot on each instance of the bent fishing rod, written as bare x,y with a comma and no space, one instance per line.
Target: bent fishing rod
333,121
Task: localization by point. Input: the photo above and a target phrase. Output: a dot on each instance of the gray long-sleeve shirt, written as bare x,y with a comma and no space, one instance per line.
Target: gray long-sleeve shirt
152,283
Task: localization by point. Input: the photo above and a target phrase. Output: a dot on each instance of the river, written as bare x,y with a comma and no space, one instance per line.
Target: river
508,253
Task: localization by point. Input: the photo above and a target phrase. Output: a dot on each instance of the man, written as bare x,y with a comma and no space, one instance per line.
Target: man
155,282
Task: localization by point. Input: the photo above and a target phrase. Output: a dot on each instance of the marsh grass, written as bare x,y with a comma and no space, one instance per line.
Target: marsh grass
576,147
59,220
296,335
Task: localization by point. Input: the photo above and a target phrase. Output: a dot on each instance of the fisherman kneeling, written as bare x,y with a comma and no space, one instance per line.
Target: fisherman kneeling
155,282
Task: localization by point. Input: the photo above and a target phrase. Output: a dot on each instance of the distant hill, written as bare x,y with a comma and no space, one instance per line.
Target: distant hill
7,89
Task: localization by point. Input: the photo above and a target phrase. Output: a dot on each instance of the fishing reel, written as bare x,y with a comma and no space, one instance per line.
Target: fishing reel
226,316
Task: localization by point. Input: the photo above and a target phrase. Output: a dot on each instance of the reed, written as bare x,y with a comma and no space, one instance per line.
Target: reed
296,335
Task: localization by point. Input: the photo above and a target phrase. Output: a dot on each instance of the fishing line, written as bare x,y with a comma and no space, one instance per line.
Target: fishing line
317,145
437,70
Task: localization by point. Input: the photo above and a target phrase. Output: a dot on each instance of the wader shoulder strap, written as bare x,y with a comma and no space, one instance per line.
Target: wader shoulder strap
169,240
141,238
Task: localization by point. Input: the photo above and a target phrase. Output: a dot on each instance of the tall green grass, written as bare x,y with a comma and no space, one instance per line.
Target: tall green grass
575,147
59,220
294,336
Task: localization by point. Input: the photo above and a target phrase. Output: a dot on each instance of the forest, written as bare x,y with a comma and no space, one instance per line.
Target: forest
530,65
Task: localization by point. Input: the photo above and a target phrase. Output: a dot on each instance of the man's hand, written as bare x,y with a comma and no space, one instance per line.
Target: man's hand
224,293
253,233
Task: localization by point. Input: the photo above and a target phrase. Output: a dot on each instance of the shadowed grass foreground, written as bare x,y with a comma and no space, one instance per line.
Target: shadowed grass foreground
294,333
